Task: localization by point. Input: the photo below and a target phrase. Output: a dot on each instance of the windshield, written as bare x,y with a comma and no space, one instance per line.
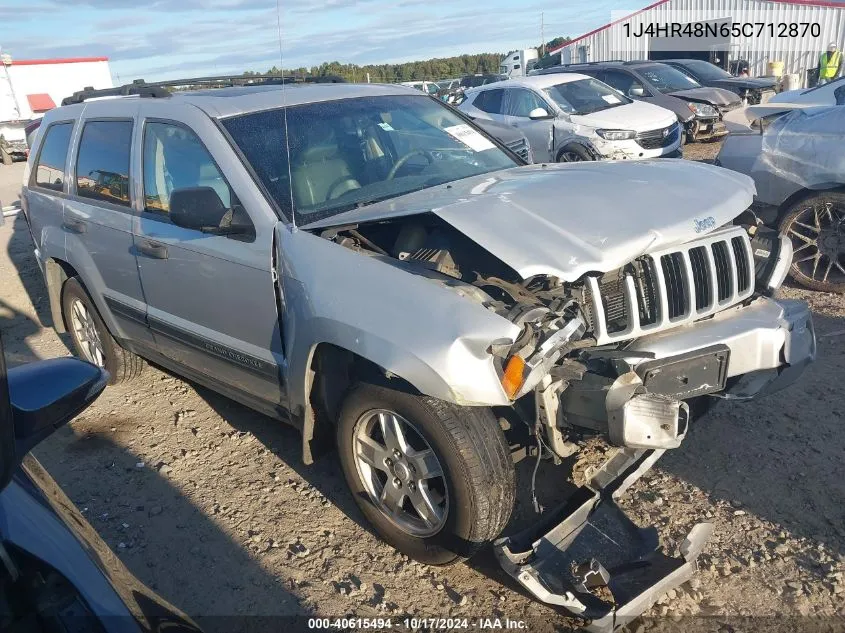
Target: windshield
706,70
585,96
352,152
667,79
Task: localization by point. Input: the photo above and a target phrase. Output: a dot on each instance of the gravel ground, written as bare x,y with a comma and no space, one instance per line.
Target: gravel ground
208,503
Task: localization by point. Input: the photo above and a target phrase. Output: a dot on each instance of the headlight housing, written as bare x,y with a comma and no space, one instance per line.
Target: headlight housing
703,109
616,135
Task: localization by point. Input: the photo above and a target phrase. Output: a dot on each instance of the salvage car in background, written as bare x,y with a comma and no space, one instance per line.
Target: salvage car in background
753,90
57,573
795,155
699,109
413,292
572,117
831,93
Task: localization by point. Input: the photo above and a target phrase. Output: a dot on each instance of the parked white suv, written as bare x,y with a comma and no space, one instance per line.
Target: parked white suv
573,117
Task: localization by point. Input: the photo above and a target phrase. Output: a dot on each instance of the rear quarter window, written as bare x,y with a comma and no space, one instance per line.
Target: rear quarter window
102,164
49,171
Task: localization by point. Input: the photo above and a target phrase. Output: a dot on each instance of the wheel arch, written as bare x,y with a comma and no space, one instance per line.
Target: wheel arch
588,147
805,194
56,273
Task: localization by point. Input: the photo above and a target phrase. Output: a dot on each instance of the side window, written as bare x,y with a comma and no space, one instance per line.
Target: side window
50,168
490,101
102,166
521,102
175,158
622,82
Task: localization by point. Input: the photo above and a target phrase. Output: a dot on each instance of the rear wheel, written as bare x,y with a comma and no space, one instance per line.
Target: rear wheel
435,480
816,226
91,339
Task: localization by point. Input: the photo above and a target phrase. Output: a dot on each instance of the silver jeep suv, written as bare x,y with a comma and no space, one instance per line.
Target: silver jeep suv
363,262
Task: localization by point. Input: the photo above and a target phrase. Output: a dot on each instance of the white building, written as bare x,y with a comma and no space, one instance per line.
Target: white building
757,31
31,87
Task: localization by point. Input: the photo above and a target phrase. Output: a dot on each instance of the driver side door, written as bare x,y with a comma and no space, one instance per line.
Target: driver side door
519,102
211,298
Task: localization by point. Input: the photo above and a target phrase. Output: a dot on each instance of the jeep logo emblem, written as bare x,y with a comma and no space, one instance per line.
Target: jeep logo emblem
704,224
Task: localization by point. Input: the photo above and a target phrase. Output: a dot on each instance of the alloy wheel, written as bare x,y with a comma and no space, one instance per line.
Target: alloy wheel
400,472
818,240
570,157
86,334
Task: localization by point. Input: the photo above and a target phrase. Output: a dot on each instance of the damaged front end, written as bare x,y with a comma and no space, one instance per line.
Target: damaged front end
621,355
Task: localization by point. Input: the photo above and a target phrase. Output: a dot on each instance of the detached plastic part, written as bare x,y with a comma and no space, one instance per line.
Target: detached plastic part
590,558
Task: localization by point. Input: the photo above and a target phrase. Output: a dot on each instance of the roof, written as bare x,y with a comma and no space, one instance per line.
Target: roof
811,3
224,102
57,60
534,81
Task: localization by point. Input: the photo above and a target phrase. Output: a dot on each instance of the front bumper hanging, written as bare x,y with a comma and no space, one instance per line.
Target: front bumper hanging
590,558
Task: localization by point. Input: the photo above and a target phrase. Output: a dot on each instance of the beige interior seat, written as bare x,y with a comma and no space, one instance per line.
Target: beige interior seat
321,174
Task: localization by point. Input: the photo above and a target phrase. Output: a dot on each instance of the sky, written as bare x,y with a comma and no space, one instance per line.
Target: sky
165,39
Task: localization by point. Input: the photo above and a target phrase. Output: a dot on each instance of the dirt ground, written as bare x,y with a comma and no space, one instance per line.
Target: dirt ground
208,502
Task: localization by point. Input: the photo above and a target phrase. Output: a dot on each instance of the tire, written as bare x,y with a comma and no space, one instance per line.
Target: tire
475,492
573,154
816,227
121,364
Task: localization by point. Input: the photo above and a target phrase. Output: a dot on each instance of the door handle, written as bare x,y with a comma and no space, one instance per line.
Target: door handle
152,249
75,226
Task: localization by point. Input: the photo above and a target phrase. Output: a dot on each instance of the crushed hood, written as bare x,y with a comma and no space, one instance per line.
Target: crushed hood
714,96
569,219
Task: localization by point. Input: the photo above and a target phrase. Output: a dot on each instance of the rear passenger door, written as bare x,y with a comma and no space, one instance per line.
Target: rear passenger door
98,217
211,299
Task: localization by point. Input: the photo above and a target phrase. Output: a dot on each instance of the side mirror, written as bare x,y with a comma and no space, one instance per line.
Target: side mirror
198,208
538,114
47,394
636,91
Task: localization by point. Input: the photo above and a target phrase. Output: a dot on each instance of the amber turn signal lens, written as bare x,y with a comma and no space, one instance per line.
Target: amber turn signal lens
512,378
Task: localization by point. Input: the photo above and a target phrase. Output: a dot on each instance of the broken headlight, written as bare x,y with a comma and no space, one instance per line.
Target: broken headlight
772,259
616,135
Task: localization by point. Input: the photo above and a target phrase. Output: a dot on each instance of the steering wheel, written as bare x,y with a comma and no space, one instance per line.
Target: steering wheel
404,159
342,181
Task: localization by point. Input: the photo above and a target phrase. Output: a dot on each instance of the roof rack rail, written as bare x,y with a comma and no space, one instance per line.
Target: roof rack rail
157,89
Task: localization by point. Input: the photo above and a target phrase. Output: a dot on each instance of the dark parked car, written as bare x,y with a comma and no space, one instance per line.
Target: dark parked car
58,574
753,89
473,81
698,109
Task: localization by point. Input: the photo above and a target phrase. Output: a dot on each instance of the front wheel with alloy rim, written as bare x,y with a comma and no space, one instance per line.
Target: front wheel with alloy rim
91,339
816,227
435,480
573,154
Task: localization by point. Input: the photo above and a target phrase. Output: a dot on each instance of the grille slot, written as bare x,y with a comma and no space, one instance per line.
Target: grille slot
701,277
723,272
673,275
664,289
742,265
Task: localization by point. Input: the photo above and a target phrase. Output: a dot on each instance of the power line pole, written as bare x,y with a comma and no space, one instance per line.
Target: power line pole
542,35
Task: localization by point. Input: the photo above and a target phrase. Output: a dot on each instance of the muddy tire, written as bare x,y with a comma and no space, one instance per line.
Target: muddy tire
573,154
91,339
816,227
434,479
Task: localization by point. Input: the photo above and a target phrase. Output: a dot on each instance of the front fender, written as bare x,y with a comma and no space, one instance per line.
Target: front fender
427,335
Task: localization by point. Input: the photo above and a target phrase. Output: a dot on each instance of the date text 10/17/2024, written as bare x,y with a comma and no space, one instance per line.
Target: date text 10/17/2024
414,624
